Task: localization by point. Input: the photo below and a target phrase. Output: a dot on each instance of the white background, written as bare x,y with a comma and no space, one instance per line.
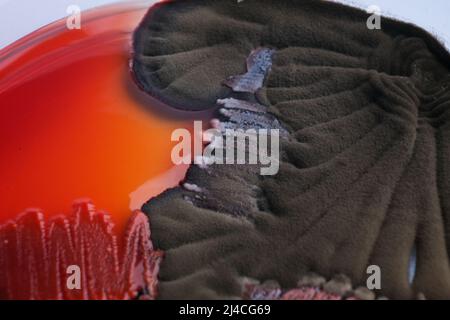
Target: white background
19,17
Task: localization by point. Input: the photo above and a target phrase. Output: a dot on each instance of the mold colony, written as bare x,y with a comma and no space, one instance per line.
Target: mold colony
364,175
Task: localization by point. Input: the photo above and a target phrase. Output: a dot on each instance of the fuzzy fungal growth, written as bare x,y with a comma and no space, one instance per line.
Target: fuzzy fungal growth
364,175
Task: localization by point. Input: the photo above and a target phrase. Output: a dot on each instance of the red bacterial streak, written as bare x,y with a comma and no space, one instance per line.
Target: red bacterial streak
35,256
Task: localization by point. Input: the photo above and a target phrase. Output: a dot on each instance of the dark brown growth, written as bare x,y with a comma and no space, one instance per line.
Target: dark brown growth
365,171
